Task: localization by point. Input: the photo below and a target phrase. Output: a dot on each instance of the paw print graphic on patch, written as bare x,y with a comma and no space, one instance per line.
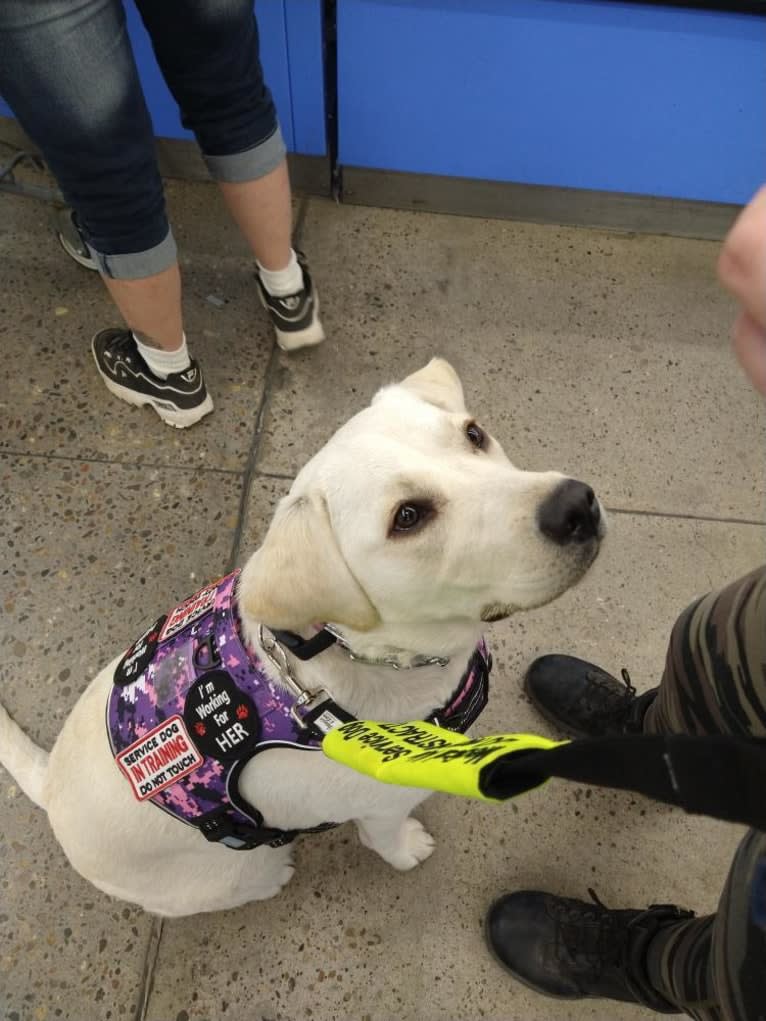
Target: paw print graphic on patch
200,728
242,712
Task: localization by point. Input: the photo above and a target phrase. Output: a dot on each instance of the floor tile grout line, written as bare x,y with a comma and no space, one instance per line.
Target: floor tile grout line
250,470
300,220
677,515
274,475
289,477
150,964
124,464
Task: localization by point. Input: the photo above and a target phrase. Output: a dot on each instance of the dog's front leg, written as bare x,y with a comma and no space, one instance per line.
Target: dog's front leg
403,843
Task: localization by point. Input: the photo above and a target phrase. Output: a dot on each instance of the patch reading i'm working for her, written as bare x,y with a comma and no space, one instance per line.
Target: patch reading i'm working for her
221,718
159,758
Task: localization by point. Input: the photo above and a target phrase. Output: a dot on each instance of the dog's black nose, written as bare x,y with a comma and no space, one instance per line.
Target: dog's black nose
570,514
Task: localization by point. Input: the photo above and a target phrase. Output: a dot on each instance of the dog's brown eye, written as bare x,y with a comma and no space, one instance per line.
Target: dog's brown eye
406,517
475,434
412,515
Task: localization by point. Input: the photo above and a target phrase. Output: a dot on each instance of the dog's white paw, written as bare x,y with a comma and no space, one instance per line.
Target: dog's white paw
281,879
415,844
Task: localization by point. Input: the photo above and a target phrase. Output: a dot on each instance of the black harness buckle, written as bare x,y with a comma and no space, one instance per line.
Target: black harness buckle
219,828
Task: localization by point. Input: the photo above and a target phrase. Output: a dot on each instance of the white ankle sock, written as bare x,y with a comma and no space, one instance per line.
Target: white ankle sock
281,282
161,362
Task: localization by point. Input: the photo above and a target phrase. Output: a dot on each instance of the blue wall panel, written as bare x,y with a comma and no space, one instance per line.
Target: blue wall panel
305,56
622,97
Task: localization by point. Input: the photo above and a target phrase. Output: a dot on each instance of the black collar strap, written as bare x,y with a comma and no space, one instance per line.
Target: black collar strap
305,648
470,698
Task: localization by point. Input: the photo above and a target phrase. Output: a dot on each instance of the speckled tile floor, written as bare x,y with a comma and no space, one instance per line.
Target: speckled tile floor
601,354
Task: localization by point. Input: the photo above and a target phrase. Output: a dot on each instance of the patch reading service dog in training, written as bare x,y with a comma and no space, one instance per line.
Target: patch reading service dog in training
161,757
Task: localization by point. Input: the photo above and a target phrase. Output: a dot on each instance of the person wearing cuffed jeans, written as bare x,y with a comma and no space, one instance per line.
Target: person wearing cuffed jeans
68,72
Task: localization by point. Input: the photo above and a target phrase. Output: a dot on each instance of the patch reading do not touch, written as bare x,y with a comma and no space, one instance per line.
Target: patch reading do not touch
161,757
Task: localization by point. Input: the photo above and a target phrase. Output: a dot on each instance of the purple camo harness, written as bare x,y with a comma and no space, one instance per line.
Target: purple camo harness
191,705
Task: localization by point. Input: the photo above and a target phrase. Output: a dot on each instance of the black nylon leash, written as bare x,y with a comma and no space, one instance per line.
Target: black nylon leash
722,777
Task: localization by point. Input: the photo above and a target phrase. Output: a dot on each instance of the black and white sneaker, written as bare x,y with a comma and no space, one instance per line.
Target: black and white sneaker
295,316
180,400
72,240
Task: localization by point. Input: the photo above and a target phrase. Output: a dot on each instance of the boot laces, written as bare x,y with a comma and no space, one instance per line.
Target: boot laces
594,936
610,706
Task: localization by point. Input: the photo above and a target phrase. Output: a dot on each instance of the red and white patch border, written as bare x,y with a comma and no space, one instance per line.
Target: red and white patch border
155,731
191,609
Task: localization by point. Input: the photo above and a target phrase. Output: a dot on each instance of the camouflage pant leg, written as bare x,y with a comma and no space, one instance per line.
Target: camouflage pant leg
714,968
715,670
714,682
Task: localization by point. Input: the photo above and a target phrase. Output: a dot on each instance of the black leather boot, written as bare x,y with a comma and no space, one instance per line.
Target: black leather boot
583,700
572,949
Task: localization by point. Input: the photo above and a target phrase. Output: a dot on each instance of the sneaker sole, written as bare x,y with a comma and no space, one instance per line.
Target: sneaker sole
309,337
178,418
83,260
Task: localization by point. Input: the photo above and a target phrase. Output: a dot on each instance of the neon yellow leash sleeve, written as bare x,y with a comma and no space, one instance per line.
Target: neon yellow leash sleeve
420,754
719,776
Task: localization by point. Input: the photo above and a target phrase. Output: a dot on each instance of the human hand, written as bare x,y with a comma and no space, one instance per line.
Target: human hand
742,271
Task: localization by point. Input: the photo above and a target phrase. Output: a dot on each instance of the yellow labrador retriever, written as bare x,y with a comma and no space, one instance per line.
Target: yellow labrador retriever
403,534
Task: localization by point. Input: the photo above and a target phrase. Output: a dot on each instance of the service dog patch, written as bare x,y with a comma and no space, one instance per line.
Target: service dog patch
159,758
190,610
221,718
139,655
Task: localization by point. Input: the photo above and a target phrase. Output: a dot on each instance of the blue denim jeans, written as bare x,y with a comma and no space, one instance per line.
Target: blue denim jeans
68,73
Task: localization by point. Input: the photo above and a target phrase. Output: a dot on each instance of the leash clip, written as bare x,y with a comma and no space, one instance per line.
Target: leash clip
314,711
306,703
319,714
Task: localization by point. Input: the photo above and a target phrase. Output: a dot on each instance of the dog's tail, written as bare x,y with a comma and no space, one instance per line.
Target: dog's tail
26,763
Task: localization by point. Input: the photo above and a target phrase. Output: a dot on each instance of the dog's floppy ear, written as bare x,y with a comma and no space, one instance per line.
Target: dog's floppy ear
439,384
298,577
